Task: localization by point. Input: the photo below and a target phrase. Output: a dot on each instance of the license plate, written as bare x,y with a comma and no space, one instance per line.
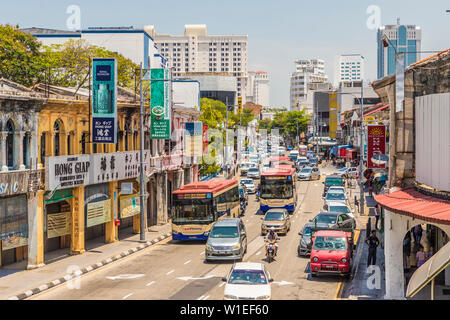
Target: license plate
330,267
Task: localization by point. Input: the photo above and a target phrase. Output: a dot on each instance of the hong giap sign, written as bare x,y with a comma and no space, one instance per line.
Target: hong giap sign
79,170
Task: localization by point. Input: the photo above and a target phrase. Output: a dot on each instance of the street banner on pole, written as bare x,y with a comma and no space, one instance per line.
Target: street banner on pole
376,142
193,139
104,105
160,104
239,99
333,115
400,82
205,138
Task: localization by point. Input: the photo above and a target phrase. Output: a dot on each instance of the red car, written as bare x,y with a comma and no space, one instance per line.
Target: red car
331,252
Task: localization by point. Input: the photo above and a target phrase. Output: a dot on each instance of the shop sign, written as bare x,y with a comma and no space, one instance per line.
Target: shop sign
104,105
14,242
58,224
376,141
129,206
79,170
98,213
193,139
160,104
12,183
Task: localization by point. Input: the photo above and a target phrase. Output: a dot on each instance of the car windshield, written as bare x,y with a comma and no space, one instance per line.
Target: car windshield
247,181
325,218
333,181
253,170
274,216
330,243
306,170
340,209
251,277
335,196
224,232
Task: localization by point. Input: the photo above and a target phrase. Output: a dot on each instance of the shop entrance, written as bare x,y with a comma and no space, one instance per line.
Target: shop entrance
57,226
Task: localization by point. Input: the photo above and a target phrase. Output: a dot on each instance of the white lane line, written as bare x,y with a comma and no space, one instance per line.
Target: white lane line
203,252
150,283
205,298
171,271
258,253
127,296
187,262
222,284
200,298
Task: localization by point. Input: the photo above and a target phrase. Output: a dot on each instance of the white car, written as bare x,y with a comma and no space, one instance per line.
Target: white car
253,173
335,206
338,188
248,281
249,184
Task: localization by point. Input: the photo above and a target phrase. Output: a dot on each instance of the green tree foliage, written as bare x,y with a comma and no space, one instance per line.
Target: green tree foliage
20,57
206,169
69,63
214,114
286,122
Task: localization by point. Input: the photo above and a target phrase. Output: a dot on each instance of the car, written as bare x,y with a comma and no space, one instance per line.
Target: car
244,167
334,206
302,163
337,188
345,171
313,162
265,167
227,240
351,172
249,184
336,196
254,158
253,173
248,281
289,148
333,220
308,173
332,180
304,247
277,220
331,252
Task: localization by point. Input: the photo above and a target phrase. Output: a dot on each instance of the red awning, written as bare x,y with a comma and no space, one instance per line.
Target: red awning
373,111
410,202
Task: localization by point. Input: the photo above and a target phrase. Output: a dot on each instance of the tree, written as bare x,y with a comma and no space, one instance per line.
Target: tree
20,58
213,112
286,122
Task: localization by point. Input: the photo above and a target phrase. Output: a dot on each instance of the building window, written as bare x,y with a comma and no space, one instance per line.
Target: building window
69,144
10,145
83,143
26,156
56,141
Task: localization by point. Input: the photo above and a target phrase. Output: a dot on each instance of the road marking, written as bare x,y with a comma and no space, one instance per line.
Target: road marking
187,262
192,278
258,253
150,283
222,284
125,276
282,283
205,298
203,252
200,298
171,271
127,296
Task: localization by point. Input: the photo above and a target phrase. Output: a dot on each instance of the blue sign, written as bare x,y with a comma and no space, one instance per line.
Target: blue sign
103,130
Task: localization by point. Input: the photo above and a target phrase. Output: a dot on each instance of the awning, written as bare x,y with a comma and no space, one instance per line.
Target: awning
428,271
412,203
373,111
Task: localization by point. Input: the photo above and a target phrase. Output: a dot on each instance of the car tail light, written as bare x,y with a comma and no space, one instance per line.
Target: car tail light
315,259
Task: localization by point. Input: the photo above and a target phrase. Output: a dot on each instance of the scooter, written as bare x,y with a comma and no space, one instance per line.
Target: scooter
243,206
257,196
270,250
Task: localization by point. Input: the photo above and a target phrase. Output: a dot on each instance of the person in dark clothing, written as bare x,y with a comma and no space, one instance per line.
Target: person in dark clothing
418,234
373,243
407,251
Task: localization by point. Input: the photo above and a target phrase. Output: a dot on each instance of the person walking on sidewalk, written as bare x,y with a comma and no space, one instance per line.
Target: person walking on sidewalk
377,215
373,243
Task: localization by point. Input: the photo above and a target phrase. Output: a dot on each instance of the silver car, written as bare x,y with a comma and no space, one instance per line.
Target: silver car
309,173
253,173
227,240
249,184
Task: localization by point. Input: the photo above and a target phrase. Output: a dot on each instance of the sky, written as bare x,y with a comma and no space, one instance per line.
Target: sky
279,32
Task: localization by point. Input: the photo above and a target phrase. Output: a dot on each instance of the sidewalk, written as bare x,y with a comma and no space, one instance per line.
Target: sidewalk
59,265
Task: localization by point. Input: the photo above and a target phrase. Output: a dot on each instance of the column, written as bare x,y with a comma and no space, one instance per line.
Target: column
111,230
35,230
161,215
19,149
150,203
63,143
393,252
77,232
3,136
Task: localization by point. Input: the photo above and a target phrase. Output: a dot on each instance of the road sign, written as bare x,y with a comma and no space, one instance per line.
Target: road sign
239,99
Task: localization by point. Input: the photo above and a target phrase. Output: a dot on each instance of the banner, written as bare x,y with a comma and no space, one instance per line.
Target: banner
205,138
193,139
400,82
129,206
333,115
58,224
239,99
376,141
160,104
14,242
98,212
104,105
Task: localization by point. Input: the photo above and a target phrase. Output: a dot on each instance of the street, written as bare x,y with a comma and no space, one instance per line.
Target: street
177,270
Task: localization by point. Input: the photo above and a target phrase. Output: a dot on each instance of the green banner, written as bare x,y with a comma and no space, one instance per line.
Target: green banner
160,104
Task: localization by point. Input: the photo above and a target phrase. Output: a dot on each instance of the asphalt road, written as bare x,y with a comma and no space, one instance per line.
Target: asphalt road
177,270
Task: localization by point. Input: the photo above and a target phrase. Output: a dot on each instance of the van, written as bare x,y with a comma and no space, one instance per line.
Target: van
227,240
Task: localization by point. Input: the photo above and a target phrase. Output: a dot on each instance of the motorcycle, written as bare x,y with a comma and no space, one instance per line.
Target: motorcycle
270,250
257,196
243,206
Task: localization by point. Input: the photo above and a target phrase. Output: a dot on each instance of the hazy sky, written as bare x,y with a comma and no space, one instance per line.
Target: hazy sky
279,32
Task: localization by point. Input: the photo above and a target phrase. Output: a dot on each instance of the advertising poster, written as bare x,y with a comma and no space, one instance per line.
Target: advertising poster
104,100
160,104
58,224
194,139
129,206
14,242
98,213
376,141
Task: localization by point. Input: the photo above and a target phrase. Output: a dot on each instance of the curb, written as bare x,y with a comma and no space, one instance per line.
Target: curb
88,269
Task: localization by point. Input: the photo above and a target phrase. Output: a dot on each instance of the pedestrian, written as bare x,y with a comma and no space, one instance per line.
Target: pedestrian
418,234
407,251
370,187
421,257
430,253
373,243
377,215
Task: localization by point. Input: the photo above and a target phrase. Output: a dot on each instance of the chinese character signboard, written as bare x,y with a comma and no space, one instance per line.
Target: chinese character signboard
376,141
239,99
160,104
104,104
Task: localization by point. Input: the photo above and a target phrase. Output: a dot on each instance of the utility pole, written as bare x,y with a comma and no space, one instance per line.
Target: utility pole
226,135
361,188
141,178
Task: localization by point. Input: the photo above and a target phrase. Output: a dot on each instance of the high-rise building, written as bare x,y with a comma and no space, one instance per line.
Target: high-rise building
405,38
349,67
258,88
196,51
309,76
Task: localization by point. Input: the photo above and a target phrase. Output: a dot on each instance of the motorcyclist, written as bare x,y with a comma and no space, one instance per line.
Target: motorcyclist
272,236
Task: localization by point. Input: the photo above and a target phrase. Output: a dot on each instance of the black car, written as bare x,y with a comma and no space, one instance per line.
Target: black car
304,247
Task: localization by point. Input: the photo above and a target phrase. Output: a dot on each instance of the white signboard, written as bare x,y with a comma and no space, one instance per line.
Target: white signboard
400,82
79,170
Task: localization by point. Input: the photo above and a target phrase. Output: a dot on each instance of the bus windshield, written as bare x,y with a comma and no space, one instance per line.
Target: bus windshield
199,211
277,189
